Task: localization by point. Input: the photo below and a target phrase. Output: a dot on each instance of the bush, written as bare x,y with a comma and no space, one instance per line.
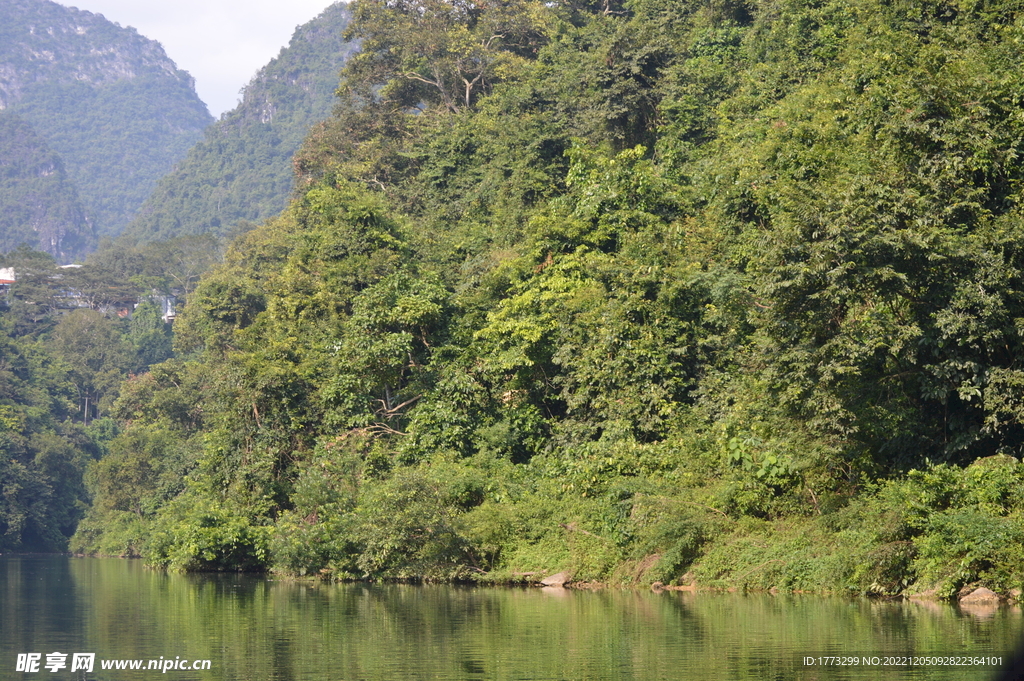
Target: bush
207,538
316,536
406,529
307,545
962,547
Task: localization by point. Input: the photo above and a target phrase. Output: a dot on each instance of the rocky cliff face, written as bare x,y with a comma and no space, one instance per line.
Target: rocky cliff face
302,78
107,100
43,42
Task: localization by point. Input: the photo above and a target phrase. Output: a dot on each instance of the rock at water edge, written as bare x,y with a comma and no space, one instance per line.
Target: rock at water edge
981,595
560,579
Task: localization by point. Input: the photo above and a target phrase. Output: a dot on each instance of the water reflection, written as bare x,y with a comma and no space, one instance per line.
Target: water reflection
261,629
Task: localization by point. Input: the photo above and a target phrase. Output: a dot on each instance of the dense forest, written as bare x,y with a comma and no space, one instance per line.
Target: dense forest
106,100
720,292
67,343
241,172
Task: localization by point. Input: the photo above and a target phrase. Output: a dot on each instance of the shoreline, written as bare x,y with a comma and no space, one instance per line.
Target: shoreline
973,596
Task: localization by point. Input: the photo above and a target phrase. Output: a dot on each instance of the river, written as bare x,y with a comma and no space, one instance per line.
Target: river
258,628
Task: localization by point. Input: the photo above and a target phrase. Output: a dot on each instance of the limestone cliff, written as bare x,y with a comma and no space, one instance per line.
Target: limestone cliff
40,205
107,100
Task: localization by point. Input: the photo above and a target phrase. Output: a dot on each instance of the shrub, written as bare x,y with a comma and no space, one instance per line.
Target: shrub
406,529
207,537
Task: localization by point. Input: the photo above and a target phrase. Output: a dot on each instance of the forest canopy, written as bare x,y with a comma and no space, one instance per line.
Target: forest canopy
69,337
726,291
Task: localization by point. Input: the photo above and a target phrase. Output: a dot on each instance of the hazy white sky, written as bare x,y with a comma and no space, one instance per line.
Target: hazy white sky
222,43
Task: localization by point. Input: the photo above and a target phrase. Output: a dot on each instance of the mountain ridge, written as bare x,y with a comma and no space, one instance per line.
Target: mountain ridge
107,100
68,33
241,171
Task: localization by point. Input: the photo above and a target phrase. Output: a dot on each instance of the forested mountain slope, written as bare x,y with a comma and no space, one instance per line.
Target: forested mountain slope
716,290
108,101
39,203
241,170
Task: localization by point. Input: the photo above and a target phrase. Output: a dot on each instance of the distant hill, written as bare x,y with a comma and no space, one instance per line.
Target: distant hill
107,100
40,205
242,171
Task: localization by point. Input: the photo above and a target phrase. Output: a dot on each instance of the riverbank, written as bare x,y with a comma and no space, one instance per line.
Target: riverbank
942,530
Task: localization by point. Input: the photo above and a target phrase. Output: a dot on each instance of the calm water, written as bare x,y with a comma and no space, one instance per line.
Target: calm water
261,629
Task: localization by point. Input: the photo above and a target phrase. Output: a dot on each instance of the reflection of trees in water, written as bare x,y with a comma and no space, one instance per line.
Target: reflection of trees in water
262,628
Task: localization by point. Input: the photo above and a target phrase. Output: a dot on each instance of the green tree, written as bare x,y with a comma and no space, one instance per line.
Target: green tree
441,52
91,346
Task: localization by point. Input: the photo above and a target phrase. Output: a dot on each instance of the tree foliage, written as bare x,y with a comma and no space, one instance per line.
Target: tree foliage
632,290
69,337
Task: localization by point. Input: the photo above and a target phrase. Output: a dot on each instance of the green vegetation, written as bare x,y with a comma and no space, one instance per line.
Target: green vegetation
105,99
117,140
41,207
644,291
241,172
65,351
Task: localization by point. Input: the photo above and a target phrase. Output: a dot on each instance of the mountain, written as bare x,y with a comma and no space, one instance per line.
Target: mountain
242,171
107,100
41,206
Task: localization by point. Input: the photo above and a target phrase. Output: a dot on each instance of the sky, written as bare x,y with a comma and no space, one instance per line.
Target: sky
222,43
